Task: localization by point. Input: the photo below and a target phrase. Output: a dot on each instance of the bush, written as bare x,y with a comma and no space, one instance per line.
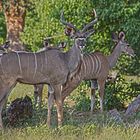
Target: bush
120,93
81,99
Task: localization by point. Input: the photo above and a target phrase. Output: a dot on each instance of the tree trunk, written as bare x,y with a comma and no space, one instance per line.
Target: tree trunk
0,5
15,18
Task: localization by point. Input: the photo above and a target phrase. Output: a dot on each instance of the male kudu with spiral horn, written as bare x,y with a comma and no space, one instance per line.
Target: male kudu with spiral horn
79,42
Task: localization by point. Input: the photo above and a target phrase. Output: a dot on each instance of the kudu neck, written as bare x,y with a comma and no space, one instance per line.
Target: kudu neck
74,57
113,57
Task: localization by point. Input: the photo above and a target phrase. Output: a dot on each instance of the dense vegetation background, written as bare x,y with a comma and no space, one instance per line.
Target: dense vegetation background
43,20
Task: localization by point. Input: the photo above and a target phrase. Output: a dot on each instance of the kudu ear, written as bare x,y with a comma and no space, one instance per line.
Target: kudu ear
6,45
121,35
114,37
62,45
46,43
69,31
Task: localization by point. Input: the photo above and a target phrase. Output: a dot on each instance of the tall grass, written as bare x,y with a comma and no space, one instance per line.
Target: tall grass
71,132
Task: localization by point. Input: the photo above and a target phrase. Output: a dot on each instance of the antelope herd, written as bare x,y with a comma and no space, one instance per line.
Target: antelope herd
61,71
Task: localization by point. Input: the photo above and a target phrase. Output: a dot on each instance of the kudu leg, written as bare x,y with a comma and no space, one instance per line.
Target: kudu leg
4,92
101,84
35,96
38,91
2,103
92,99
70,86
50,104
59,104
94,86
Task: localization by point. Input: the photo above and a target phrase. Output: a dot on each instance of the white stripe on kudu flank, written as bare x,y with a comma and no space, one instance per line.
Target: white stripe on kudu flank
41,64
45,58
84,71
88,64
99,64
1,66
19,62
28,66
92,62
35,65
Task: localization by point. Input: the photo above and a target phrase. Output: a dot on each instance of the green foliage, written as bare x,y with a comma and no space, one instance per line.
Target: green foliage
120,93
82,101
2,28
117,95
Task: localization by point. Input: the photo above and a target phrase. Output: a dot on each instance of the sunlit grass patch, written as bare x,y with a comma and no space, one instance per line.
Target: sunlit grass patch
21,90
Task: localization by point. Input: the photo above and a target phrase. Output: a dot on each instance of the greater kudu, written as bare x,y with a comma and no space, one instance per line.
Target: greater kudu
96,66
79,41
51,67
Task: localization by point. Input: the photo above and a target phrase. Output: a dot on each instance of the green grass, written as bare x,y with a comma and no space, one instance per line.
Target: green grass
77,124
86,131
23,89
